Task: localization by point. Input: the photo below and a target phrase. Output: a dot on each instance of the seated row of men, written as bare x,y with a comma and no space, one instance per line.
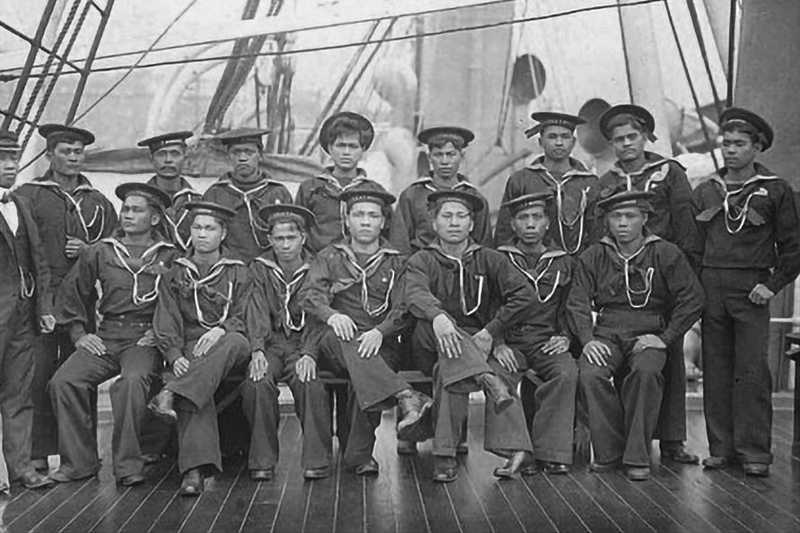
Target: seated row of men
230,282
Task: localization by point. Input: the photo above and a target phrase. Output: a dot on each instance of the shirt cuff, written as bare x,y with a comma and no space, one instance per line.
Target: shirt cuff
172,355
76,331
495,328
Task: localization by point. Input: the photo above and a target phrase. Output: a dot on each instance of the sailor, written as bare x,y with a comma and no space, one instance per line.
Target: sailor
129,268
276,325
25,311
541,340
168,154
629,128
466,297
555,170
345,137
646,296
751,251
70,215
199,325
412,225
354,291
246,189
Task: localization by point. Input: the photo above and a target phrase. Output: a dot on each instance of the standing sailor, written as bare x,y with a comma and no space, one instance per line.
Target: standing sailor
168,153
412,225
466,297
276,326
199,324
629,127
354,290
70,215
751,237
246,189
541,340
646,296
26,311
555,170
345,137
129,268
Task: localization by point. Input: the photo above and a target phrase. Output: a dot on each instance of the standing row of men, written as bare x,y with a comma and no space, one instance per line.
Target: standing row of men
243,281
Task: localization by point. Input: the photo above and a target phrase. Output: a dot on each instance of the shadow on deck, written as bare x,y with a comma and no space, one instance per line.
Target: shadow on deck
403,497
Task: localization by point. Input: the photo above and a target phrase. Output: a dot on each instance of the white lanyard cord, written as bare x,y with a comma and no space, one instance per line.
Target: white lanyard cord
578,218
648,282
254,226
26,290
464,309
365,290
135,297
98,211
537,278
739,219
196,283
287,297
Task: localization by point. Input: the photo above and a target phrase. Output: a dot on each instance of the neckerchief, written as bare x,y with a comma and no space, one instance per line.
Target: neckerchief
736,203
539,270
120,249
361,274
287,288
646,274
74,202
471,249
216,270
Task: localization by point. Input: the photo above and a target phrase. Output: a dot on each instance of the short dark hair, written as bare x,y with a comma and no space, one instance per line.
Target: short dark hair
287,220
55,140
440,140
739,126
345,125
626,119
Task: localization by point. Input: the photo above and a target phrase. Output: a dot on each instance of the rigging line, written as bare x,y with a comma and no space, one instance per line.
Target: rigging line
731,53
12,30
318,26
505,103
484,26
691,85
625,51
701,43
122,78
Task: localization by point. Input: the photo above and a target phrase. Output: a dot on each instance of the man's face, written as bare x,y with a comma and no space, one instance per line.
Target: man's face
346,151
287,241
453,223
244,158
9,165
66,158
530,225
168,161
365,221
626,224
738,149
136,216
557,142
207,233
445,160
628,142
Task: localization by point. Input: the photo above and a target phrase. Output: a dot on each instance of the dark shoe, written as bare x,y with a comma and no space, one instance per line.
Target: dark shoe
678,454
405,447
34,480
638,473
756,469
265,474
444,470
554,469
462,448
192,484
40,465
415,423
161,406
512,465
602,468
716,462
133,479
496,389
5,491
59,476
317,473
151,458
370,468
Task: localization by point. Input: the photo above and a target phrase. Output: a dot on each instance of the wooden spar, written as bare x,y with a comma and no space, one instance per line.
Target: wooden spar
644,68
718,12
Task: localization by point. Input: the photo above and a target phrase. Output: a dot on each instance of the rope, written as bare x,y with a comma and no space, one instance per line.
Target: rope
701,43
620,5
691,84
298,51
731,53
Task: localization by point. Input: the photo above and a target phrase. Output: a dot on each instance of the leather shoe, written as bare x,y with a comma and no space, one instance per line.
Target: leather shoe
130,481
265,474
192,483
511,466
370,468
34,480
756,469
638,473
496,389
40,464
151,458
462,448
554,469
444,470
716,462
415,424
59,476
678,454
317,473
405,447
161,406
602,468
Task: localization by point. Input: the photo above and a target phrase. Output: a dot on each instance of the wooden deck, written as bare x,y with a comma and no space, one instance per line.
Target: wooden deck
403,498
